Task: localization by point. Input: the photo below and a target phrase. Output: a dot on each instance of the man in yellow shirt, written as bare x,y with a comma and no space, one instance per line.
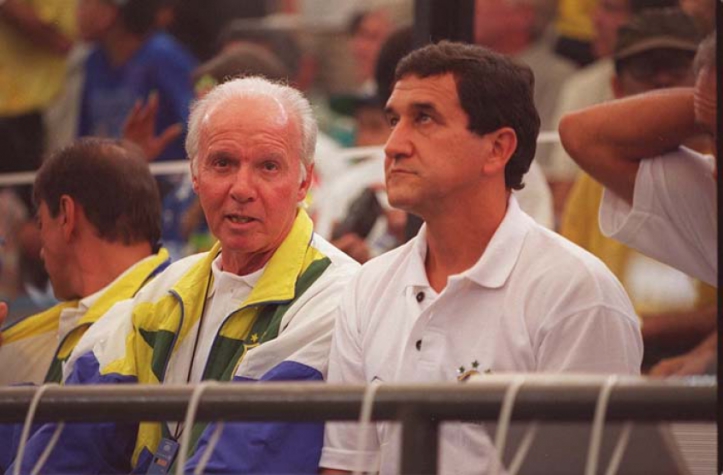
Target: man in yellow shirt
35,36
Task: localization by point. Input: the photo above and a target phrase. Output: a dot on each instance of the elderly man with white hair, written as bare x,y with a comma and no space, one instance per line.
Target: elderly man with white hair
259,306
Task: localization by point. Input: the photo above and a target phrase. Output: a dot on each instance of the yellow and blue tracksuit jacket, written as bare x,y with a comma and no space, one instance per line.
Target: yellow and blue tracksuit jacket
34,340
282,332
30,352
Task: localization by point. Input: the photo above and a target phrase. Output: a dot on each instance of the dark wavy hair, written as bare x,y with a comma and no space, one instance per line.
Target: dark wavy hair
111,181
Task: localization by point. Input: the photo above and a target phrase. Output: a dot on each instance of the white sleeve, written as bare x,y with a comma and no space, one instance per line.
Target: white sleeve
600,340
346,366
673,218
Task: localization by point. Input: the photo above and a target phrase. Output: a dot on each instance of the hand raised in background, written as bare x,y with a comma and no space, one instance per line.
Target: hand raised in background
139,128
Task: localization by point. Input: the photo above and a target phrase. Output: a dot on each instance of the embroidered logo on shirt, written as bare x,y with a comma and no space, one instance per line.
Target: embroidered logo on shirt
464,374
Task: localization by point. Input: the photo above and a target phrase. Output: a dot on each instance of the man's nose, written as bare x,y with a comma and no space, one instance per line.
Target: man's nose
398,144
243,188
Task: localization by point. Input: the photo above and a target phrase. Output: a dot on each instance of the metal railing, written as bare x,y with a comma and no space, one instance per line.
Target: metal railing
419,407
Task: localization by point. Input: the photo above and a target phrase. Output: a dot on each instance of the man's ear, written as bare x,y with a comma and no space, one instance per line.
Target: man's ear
68,213
501,148
305,183
194,178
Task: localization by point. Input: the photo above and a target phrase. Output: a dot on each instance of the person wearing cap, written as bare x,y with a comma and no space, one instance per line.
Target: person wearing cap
131,62
654,50
591,84
660,196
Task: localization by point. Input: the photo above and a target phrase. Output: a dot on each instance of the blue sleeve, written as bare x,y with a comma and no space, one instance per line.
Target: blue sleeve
95,448
10,436
266,447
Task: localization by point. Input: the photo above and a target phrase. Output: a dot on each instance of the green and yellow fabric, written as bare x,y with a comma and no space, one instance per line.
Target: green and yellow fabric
34,349
282,331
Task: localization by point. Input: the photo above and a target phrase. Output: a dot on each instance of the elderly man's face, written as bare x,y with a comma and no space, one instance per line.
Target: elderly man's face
248,179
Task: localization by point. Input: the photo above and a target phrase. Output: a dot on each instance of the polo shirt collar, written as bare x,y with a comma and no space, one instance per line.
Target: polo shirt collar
499,258
416,274
496,264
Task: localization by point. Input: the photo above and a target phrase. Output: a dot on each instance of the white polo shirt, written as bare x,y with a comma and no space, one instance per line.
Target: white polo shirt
674,214
534,302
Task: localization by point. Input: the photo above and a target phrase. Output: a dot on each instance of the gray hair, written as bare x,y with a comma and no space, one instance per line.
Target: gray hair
253,86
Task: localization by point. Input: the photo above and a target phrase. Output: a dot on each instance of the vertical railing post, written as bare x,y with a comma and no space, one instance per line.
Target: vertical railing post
420,442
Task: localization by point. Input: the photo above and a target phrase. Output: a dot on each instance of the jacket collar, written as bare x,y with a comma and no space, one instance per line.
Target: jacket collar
276,284
496,263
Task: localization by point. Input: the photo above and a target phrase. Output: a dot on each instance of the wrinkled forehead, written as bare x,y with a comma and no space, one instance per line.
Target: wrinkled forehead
251,116
438,91
249,108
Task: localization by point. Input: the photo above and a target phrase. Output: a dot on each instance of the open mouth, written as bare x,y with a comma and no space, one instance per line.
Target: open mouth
239,219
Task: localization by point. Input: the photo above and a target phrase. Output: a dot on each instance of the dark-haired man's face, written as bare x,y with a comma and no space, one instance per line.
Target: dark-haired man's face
432,158
54,252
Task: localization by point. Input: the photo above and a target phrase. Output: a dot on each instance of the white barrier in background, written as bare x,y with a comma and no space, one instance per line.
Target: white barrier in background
182,166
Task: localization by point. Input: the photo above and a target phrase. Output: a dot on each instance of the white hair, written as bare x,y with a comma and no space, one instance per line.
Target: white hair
254,86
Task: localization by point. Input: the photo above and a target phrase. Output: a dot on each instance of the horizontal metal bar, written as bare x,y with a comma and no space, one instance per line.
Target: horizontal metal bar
636,400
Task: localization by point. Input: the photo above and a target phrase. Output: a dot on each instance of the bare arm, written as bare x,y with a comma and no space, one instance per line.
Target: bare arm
608,140
24,18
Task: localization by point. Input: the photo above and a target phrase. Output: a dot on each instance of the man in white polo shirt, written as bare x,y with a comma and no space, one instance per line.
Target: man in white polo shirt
482,288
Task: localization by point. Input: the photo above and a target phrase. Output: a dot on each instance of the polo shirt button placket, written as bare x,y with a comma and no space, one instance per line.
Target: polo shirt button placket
420,296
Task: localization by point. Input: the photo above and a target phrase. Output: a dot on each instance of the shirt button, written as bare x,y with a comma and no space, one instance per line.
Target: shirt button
420,297
418,345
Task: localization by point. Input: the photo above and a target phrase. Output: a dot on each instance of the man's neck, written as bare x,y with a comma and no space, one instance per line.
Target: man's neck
244,264
106,262
457,240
